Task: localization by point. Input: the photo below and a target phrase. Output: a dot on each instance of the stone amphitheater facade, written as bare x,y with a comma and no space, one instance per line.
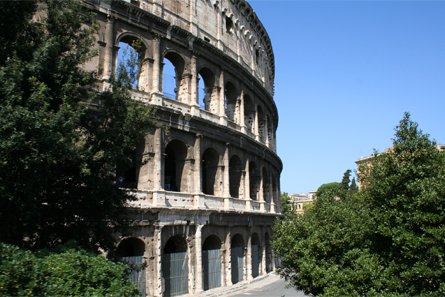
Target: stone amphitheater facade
208,184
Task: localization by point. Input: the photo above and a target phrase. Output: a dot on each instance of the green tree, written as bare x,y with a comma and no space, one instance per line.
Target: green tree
286,207
386,240
330,192
353,187
69,272
405,192
61,141
346,180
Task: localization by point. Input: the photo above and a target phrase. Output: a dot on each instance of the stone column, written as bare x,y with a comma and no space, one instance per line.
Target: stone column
242,115
157,62
192,18
198,256
249,258
197,166
261,192
266,128
222,100
158,154
247,185
219,27
228,259
271,193
145,177
183,88
256,124
159,279
263,253
272,136
226,183
194,92
109,49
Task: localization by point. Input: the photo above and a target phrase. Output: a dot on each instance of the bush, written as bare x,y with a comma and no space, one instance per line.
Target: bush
70,272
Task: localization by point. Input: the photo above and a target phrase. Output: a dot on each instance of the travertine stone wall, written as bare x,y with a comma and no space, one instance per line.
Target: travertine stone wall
209,168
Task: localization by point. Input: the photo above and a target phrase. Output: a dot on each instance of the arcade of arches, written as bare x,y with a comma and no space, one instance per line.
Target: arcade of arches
204,169
180,80
190,259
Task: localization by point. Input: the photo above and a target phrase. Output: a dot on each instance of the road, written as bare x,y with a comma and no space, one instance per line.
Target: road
274,286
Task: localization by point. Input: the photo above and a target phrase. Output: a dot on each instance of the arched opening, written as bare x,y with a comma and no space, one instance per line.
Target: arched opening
211,262
175,266
129,61
256,255
210,162
230,101
266,185
127,170
206,81
254,181
174,160
249,114
261,125
131,251
235,172
268,251
172,72
237,258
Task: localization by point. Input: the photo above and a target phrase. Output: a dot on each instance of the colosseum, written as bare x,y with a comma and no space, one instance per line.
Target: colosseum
207,188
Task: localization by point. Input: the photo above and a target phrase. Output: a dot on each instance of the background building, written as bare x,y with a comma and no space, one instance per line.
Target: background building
298,202
208,183
364,164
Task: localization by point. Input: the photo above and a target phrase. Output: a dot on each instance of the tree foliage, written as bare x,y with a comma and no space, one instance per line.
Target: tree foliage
386,240
286,207
60,140
69,272
346,180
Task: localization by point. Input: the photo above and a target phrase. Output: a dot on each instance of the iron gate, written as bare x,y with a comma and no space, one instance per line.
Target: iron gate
137,272
237,258
175,272
255,260
211,262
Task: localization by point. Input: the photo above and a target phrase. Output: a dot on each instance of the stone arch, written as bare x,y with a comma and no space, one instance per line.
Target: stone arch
256,254
210,162
211,262
173,81
175,266
175,178
127,174
206,86
131,67
266,185
231,94
235,175
249,114
131,251
130,246
254,180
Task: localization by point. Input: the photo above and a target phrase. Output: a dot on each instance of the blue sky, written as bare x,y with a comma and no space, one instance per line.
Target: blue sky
346,71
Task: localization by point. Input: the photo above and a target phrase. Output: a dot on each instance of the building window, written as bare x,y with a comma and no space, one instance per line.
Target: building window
229,25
